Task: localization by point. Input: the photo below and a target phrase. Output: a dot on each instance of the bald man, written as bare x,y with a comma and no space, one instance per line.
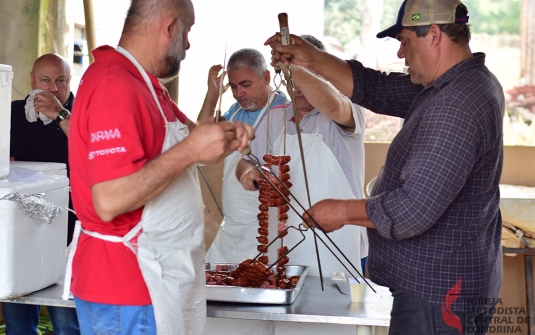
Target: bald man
139,265
40,142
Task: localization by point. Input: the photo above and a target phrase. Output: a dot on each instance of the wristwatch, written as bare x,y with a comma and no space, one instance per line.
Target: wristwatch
62,115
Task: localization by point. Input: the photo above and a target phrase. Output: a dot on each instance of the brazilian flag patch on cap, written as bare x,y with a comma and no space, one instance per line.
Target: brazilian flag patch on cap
416,17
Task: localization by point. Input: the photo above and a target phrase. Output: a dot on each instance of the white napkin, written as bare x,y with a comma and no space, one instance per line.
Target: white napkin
29,108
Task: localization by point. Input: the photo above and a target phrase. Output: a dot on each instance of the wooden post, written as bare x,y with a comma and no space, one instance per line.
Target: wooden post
90,28
527,40
172,87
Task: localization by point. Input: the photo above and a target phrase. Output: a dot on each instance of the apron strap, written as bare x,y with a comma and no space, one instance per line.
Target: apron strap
145,76
108,238
71,250
78,230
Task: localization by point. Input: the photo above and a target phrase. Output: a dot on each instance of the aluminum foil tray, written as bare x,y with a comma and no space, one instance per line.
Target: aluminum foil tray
252,295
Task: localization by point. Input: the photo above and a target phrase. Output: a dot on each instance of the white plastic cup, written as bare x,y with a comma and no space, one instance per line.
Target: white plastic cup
357,290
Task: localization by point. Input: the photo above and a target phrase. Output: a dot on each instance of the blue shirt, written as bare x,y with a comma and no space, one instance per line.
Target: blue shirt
251,116
436,201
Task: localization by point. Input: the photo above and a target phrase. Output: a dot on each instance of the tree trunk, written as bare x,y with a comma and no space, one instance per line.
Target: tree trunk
29,29
371,24
527,37
89,15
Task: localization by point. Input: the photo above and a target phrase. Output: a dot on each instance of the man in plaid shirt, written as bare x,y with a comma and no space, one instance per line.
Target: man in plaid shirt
433,217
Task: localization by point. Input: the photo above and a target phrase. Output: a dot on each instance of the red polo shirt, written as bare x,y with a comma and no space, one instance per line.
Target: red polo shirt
116,128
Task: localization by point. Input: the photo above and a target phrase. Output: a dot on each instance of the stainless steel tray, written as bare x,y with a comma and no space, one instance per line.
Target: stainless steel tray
257,295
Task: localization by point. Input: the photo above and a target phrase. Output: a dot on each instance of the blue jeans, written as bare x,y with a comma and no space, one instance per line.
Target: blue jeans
104,319
412,315
363,265
22,319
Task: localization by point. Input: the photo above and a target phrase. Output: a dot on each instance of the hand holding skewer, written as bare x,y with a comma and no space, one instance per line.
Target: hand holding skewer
301,52
221,91
328,213
247,175
215,80
244,135
332,214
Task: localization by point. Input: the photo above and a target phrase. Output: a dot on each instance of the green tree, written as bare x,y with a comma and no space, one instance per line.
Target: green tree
343,18
494,16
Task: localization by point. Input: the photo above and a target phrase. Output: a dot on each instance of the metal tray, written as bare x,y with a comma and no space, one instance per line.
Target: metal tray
257,295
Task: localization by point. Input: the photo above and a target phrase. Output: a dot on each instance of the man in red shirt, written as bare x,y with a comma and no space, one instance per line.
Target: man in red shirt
138,265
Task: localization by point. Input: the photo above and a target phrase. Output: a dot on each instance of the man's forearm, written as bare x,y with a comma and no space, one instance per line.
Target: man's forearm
64,125
324,96
208,106
356,213
122,195
334,70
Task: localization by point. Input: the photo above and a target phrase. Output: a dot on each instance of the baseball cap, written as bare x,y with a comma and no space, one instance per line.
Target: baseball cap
426,12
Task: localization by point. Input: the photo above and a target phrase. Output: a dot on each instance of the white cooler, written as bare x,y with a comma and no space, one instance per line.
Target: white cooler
32,252
6,78
58,169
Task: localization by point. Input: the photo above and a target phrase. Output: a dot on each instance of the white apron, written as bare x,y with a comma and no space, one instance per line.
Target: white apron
169,243
326,180
316,154
236,238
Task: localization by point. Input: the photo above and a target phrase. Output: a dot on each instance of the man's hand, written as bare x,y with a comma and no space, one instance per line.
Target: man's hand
211,142
330,214
333,214
248,175
46,103
212,94
214,79
331,68
244,135
302,52
282,66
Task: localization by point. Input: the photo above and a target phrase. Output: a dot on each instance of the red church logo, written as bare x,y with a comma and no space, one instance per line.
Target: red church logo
448,316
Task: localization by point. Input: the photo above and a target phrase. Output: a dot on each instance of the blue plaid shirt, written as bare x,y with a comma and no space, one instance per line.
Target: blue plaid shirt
436,201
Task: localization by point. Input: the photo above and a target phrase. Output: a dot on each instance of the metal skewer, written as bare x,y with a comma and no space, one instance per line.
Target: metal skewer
217,118
211,190
285,40
263,171
218,111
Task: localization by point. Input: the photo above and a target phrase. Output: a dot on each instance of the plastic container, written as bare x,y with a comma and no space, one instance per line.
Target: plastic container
357,290
59,169
6,80
32,253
